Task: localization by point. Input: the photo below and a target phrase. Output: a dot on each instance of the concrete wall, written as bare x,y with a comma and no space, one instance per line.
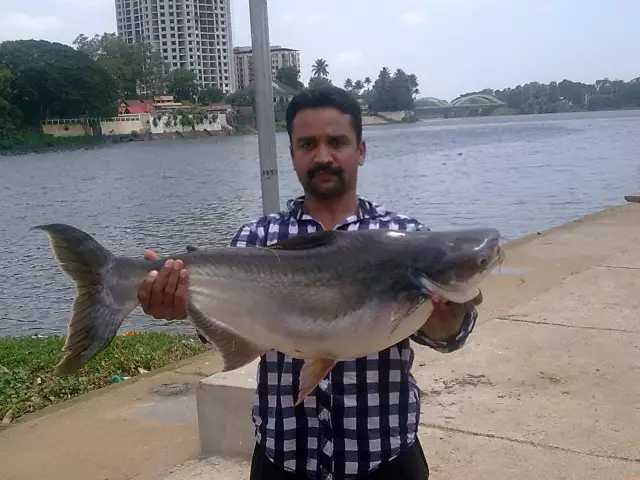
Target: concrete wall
394,116
159,126
66,129
125,124
373,120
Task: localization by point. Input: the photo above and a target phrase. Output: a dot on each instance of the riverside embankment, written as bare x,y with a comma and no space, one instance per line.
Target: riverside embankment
547,387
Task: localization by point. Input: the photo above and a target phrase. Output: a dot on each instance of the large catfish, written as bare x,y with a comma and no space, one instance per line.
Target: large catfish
324,297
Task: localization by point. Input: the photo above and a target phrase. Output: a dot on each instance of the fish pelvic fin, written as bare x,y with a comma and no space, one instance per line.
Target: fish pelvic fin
311,374
235,351
99,306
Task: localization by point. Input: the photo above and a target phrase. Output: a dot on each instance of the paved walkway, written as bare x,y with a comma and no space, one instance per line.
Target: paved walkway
548,387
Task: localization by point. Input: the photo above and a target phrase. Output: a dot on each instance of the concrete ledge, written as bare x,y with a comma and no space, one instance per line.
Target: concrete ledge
224,403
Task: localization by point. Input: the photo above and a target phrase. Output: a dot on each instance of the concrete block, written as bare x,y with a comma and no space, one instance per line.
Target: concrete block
224,403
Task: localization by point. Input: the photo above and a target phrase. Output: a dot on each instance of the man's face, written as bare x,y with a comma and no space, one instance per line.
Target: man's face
325,152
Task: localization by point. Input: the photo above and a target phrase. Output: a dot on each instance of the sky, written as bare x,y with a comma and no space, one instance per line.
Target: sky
453,46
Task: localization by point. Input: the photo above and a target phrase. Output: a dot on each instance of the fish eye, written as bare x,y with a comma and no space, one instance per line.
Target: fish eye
483,261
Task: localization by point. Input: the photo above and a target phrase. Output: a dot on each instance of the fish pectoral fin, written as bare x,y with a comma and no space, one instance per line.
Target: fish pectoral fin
407,303
236,352
312,373
307,242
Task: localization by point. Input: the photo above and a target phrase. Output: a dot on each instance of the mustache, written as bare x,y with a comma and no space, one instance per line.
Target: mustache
337,171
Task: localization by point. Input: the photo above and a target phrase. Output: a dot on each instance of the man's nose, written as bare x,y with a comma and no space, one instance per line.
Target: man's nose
323,155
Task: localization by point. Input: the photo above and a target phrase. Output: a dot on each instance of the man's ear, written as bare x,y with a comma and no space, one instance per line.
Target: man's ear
363,151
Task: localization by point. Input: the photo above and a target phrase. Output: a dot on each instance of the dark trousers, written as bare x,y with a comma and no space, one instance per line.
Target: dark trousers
409,465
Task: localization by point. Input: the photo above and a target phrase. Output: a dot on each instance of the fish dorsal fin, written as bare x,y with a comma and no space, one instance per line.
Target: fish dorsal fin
307,242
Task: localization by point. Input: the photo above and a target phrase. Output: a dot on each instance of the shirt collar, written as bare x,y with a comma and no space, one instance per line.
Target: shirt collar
366,210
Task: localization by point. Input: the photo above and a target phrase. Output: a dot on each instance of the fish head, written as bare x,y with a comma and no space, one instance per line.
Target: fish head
452,264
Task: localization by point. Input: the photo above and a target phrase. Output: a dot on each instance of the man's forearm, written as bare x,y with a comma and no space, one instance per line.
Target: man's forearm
455,341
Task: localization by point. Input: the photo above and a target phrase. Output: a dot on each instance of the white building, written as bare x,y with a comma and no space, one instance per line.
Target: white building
190,34
280,57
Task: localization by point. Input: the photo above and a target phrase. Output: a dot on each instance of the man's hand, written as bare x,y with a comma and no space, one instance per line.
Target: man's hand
446,319
163,294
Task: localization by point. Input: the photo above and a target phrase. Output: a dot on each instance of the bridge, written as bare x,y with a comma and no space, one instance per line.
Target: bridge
469,105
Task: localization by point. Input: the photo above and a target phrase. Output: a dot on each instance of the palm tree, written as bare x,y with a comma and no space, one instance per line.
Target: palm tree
358,86
348,84
320,68
367,81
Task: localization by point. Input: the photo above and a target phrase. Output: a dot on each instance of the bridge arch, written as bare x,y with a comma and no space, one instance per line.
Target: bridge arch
476,100
431,102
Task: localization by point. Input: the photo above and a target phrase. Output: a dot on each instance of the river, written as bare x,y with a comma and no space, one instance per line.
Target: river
519,174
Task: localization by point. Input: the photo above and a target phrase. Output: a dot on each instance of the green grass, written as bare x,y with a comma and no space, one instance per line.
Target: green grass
27,383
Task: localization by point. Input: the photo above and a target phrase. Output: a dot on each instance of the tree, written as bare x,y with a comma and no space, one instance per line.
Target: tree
393,93
320,68
52,80
136,66
9,136
182,84
358,86
245,97
348,84
211,95
315,82
565,96
290,77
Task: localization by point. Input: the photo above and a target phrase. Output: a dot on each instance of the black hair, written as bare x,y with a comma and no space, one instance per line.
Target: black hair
326,96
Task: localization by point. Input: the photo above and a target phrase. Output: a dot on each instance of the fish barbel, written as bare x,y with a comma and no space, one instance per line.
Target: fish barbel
324,297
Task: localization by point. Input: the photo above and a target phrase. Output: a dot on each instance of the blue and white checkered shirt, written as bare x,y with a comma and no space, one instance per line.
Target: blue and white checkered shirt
366,411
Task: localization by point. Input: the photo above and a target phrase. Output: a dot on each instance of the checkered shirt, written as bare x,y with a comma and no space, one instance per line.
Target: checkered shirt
366,411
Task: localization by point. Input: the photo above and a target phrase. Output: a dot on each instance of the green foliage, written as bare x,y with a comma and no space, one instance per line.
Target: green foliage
54,80
133,65
290,77
27,383
320,68
389,92
211,95
245,97
182,84
566,96
315,82
393,93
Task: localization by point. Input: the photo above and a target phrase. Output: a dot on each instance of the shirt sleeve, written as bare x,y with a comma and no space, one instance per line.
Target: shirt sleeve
458,340
246,236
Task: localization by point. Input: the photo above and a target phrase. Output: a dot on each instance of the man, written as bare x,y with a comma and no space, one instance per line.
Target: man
362,419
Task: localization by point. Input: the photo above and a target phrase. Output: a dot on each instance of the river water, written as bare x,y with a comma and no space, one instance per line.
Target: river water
519,174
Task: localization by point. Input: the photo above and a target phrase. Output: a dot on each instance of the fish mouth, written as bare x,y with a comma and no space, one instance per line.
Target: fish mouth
452,293
467,291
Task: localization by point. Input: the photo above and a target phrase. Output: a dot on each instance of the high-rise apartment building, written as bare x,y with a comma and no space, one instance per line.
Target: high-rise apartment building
189,34
280,57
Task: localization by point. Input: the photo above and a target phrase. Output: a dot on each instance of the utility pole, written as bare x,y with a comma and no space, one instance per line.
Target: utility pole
265,118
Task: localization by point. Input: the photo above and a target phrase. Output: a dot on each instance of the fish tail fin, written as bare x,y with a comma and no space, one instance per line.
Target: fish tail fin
100,304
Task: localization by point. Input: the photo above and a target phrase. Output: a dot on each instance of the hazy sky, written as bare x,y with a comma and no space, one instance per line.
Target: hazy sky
453,46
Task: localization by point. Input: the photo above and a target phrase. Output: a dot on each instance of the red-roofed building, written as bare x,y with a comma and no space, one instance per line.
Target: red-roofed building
135,107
